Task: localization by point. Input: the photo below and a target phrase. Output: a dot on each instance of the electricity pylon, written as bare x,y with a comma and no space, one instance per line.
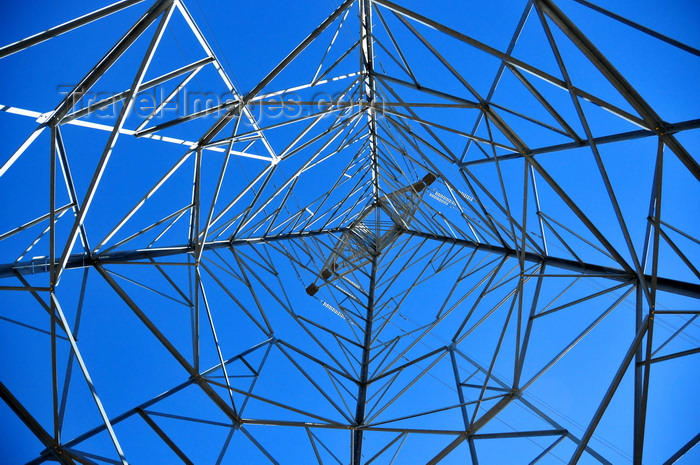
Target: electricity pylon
409,242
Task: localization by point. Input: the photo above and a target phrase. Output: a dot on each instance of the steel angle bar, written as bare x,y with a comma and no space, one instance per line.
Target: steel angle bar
615,382
521,350
579,300
194,223
313,439
670,356
547,106
84,458
618,137
392,56
333,333
680,330
52,253
639,27
678,251
214,110
687,236
665,284
68,178
429,412
148,288
546,451
547,219
215,338
176,215
400,437
24,325
34,222
449,448
192,68
65,27
288,90
166,439
271,402
339,368
532,120
316,79
53,448
536,195
364,380
22,148
521,434
501,68
545,222
506,207
215,197
677,312
683,450
384,373
330,45
88,379
424,122
512,296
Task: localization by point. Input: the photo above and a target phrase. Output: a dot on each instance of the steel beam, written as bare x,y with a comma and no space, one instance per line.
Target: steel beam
53,448
619,137
664,284
364,380
65,27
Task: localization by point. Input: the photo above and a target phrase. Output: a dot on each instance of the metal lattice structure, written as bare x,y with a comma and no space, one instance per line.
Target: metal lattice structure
413,240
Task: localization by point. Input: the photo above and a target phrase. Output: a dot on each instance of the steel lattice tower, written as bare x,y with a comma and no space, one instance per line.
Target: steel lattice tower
449,234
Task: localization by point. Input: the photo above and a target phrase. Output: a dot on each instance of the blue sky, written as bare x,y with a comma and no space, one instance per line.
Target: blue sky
129,365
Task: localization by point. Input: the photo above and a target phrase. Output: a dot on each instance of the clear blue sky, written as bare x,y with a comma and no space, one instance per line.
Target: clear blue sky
129,366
